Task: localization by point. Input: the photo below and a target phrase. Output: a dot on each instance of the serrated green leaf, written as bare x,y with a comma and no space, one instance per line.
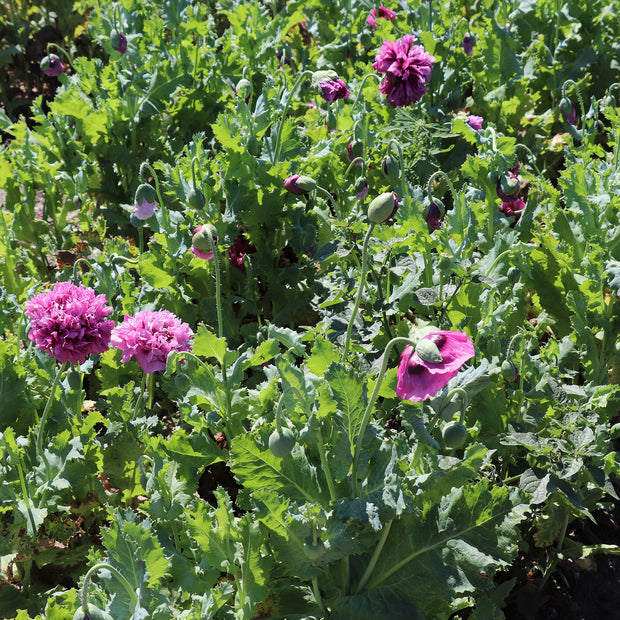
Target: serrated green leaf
207,344
322,355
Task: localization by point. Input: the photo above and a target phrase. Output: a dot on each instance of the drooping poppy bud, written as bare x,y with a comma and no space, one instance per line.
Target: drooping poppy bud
391,168
201,241
355,149
508,187
145,201
361,188
434,210
51,65
299,184
243,90
383,207
468,43
567,109
331,122
118,41
196,199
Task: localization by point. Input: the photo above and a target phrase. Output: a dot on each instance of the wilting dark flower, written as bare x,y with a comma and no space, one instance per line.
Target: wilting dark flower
407,69
433,212
513,208
379,13
240,247
419,379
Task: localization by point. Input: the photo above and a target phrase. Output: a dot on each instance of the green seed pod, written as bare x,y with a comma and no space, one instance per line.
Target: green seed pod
454,435
196,199
494,346
383,207
493,177
200,239
281,443
391,169
253,146
93,613
509,371
428,351
314,551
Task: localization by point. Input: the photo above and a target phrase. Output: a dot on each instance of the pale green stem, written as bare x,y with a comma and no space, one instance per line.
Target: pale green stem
375,557
334,202
43,420
326,469
464,401
431,180
64,51
401,163
360,290
361,87
353,163
121,578
22,482
140,395
371,404
150,386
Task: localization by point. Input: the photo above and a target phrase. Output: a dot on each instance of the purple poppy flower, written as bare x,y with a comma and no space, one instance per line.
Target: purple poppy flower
69,322
514,207
240,247
51,65
475,122
419,379
118,41
201,246
407,69
299,184
380,13
334,89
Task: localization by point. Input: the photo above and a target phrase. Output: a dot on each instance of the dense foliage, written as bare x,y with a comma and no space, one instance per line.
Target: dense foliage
224,221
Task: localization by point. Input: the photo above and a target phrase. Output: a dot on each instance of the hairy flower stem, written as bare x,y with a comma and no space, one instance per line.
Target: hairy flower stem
394,144
62,51
464,401
333,201
43,420
278,140
121,578
371,404
325,465
375,557
136,410
22,483
361,87
360,290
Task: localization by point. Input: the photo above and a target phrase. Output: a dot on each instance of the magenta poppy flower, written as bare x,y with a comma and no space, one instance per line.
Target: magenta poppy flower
513,208
419,379
69,322
475,122
150,337
52,66
334,89
379,13
407,69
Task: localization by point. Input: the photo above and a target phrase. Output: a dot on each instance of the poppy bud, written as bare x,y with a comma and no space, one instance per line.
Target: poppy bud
361,188
244,89
434,210
514,275
118,41
282,443
196,199
355,149
508,187
331,121
567,109
51,65
391,169
468,43
145,201
383,207
509,371
299,184
200,239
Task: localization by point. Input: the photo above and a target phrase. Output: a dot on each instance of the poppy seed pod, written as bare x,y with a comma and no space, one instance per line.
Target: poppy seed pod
200,239
383,207
391,168
196,199
428,351
118,41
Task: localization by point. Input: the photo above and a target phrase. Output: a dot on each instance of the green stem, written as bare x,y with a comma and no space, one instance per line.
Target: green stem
351,164
371,403
136,410
567,84
62,50
278,142
361,87
360,290
150,387
375,555
121,578
326,469
431,180
43,420
334,202
22,482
